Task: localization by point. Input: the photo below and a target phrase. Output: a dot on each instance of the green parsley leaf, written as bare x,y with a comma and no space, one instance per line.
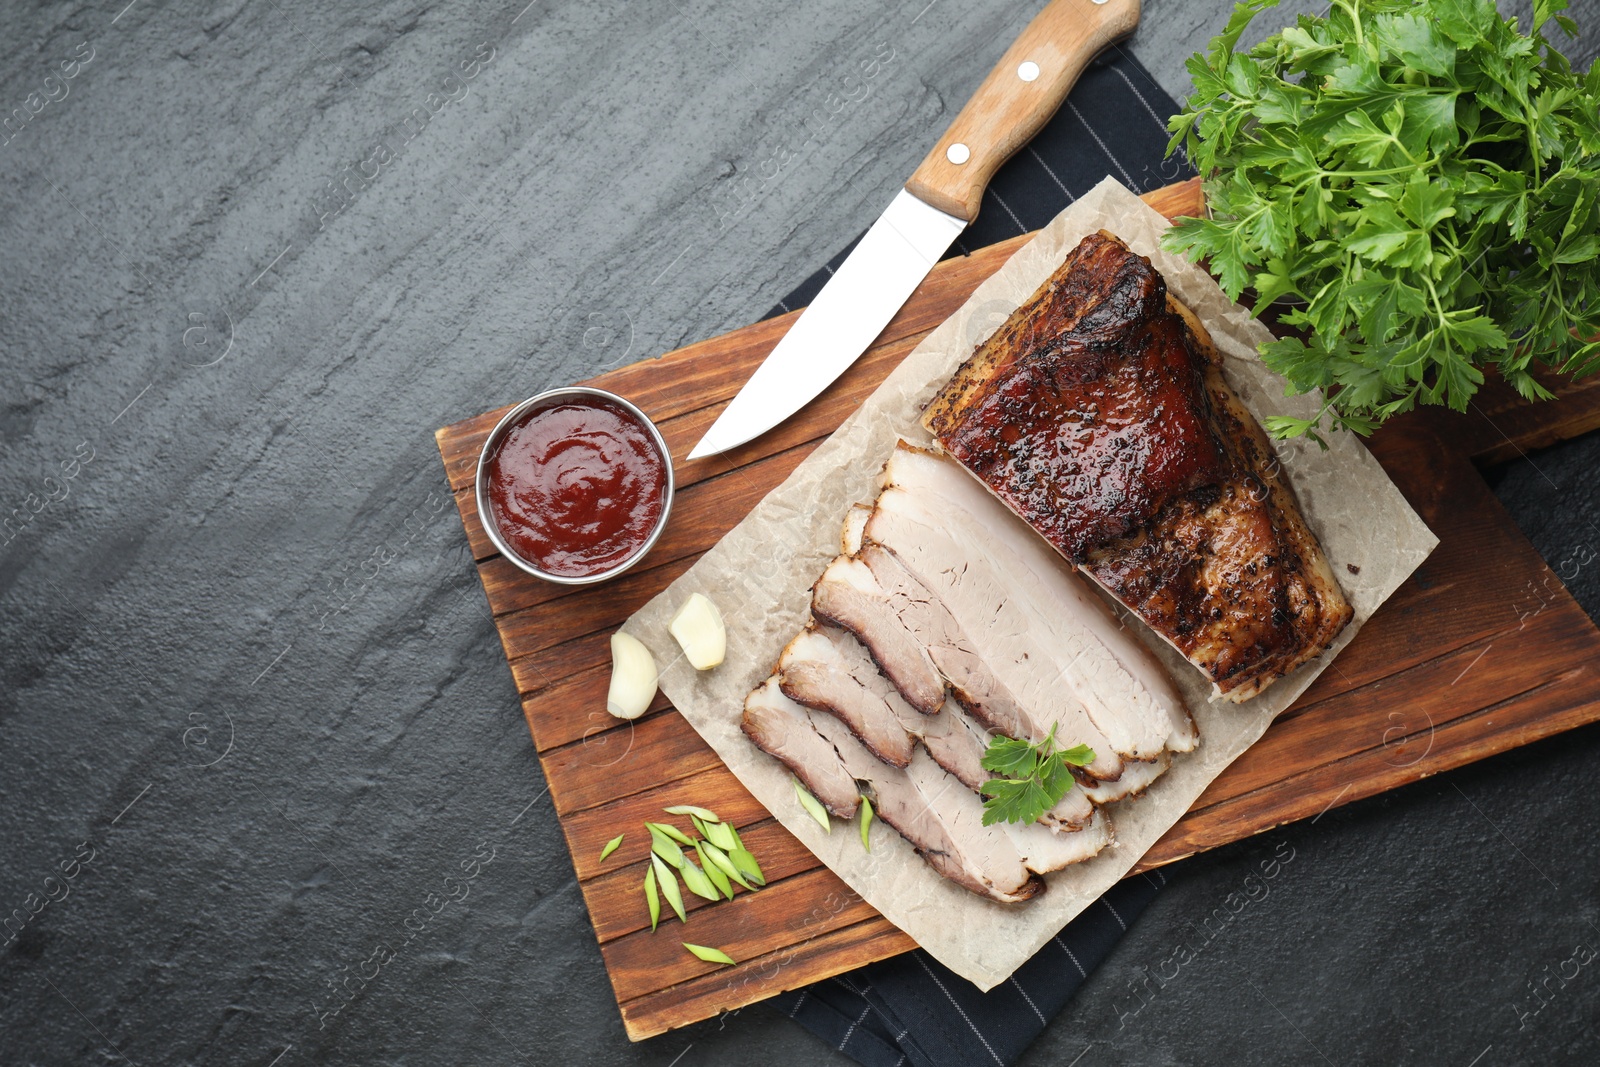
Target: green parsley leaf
1422,179
1032,777
1011,758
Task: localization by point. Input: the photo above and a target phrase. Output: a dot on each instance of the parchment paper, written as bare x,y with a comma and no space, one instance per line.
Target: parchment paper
760,576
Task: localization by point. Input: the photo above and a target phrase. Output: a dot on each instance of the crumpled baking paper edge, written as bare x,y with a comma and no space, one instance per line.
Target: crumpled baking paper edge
760,576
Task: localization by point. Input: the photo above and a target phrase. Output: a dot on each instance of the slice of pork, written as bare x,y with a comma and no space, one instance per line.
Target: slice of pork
855,520
1115,677
848,595
944,821
1045,850
788,731
1039,848
924,803
914,640
1136,778
1026,651
817,670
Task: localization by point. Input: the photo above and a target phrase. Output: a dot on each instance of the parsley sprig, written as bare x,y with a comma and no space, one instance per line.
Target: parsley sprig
1420,181
1032,778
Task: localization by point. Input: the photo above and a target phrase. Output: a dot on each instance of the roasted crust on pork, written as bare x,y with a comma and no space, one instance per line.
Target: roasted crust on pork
1086,412
1099,414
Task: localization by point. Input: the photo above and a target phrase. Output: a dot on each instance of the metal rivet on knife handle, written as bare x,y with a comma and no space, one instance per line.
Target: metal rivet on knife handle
1007,110
958,153
1029,70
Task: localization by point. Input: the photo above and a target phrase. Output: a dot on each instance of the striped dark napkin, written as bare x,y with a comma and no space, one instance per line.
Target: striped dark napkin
910,1009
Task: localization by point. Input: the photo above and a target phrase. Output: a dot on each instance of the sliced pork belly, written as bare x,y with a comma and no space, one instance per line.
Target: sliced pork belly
827,669
957,744
817,670
981,859
933,811
1036,621
1023,647
1044,850
924,803
1100,414
944,820
788,731
1136,778
914,640
848,595
1040,848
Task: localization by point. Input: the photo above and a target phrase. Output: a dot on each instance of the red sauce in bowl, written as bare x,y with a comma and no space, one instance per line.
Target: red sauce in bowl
576,488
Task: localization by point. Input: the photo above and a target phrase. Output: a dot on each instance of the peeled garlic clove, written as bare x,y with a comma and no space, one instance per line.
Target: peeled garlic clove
698,628
633,677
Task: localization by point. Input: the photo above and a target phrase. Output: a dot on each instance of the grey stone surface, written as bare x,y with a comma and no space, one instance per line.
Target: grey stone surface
244,662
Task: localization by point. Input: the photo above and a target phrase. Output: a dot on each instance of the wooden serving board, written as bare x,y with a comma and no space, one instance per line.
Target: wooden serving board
1480,651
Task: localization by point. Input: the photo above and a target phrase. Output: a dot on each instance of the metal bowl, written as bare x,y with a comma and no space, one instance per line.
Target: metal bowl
515,415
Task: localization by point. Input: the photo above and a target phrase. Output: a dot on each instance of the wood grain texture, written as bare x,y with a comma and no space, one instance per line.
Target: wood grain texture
1006,111
1480,651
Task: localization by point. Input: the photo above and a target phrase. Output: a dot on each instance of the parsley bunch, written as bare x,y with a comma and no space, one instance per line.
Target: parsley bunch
1032,777
1419,181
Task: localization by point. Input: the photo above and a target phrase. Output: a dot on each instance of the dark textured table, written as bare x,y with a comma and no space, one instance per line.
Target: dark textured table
266,795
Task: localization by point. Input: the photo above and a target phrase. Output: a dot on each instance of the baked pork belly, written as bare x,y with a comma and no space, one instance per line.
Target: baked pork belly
826,668
1048,637
1099,414
1136,778
913,468
855,523
924,803
914,640
944,822
788,731
818,669
943,818
958,744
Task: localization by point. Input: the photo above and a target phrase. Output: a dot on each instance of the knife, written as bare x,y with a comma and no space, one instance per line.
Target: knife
1014,102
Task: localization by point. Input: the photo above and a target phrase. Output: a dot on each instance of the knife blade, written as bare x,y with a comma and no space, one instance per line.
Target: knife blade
942,197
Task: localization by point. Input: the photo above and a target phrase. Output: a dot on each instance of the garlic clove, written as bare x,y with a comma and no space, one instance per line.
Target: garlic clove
633,677
698,629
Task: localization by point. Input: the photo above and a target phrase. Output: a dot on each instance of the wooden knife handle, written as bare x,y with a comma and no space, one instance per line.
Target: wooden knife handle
1009,108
